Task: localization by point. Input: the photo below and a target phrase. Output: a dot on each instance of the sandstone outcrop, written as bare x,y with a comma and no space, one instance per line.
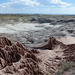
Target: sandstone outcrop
69,50
54,55
17,60
50,44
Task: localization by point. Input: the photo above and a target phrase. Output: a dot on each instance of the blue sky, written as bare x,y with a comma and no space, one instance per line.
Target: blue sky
38,6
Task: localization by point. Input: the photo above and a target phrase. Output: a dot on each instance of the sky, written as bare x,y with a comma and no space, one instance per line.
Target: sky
38,6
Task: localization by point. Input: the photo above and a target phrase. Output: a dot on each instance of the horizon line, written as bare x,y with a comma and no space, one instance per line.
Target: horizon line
35,14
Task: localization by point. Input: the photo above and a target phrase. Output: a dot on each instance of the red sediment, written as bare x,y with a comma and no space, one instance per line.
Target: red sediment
69,50
15,59
51,43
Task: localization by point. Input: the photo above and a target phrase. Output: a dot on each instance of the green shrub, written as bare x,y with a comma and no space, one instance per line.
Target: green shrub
58,72
65,66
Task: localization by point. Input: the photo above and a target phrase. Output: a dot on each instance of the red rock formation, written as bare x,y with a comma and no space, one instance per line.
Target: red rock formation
17,60
69,50
51,43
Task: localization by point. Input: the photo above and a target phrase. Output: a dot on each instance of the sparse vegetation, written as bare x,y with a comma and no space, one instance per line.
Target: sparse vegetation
15,17
63,67
58,72
27,17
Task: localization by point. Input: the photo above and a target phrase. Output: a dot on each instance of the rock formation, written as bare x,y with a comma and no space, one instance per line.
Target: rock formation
17,60
66,53
50,44
41,20
69,50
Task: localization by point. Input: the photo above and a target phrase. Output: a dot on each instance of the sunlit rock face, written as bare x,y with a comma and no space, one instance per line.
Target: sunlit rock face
68,49
15,59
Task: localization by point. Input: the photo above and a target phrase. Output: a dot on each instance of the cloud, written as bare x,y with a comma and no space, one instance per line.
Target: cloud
56,3
29,3
37,6
19,4
59,2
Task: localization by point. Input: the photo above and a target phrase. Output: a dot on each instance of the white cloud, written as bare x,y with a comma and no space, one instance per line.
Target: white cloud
37,6
29,3
59,3
54,3
20,3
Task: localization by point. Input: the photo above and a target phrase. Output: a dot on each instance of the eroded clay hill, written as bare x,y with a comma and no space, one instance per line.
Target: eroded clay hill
68,50
18,60
54,53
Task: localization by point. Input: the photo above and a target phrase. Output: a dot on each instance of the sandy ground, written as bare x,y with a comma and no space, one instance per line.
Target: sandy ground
49,64
67,40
